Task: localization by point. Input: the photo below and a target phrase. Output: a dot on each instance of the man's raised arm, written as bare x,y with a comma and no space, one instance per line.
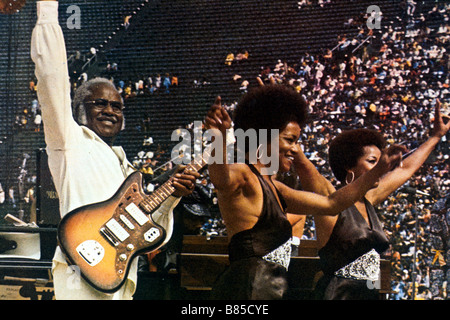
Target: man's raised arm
53,88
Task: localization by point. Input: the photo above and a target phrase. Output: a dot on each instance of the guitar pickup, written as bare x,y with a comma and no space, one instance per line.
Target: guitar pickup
118,231
136,214
127,222
114,232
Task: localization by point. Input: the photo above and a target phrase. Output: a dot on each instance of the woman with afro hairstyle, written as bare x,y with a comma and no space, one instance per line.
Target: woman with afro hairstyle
257,209
352,242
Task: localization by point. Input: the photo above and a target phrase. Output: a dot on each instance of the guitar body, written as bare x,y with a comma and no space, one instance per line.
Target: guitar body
102,239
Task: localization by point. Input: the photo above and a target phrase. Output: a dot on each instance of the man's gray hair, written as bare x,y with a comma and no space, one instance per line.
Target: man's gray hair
78,107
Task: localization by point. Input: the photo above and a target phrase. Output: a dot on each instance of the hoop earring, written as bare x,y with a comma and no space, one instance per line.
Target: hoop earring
258,154
353,178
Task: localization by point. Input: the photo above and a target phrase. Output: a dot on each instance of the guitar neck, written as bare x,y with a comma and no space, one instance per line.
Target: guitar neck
154,200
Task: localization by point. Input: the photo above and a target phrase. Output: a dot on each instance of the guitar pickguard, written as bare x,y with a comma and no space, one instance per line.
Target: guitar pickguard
130,229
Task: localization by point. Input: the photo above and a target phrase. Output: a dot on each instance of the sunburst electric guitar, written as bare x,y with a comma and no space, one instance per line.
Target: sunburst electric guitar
102,239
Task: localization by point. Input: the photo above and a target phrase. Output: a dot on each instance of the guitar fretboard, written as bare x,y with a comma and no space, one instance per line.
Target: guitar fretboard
153,201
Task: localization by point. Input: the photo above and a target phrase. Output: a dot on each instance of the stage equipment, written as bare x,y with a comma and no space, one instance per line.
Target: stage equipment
47,200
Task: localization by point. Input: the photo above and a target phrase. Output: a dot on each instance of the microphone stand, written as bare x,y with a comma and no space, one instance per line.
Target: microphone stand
21,180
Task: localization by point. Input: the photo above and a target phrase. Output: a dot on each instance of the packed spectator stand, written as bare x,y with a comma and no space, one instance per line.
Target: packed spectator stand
170,62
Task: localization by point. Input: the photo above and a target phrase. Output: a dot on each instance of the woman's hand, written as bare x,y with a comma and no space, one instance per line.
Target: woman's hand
391,158
396,178
440,127
218,118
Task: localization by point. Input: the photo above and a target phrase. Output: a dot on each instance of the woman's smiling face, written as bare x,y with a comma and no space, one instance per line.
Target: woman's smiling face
288,145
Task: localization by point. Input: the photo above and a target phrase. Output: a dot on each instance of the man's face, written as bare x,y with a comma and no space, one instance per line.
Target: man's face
103,110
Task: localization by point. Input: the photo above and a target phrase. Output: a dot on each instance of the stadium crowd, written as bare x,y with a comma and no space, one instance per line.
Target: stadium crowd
391,84
386,79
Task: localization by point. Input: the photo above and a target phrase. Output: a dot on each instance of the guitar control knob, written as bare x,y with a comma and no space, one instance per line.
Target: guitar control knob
130,247
123,257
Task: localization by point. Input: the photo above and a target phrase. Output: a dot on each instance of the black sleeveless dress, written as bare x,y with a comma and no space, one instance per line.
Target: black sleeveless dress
351,238
250,276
